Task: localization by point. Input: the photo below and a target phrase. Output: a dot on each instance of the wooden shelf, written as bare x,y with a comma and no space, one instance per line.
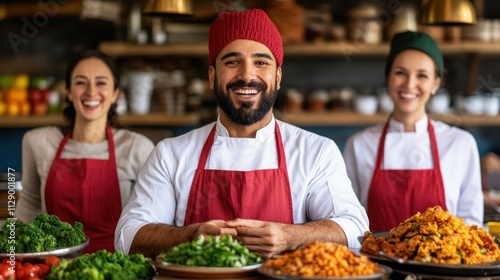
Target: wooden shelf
160,119
300,119
333,48
30,121
351,118
345,48
122,49
155,119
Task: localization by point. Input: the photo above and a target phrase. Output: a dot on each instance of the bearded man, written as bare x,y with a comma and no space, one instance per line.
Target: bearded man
271,185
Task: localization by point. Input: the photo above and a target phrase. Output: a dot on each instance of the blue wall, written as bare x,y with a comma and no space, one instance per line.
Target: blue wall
10,148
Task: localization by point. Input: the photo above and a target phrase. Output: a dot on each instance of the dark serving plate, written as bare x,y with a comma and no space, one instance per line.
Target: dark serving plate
382,274
459,270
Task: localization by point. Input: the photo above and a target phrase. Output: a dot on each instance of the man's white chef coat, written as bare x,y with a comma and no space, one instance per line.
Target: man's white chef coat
318,179
458,156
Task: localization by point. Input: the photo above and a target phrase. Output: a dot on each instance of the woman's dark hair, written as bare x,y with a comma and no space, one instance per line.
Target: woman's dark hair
69,112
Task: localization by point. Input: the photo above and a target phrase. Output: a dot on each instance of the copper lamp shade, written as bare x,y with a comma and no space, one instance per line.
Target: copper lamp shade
168,7
448,12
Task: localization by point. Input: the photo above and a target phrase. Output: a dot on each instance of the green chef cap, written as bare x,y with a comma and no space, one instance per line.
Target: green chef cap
418,41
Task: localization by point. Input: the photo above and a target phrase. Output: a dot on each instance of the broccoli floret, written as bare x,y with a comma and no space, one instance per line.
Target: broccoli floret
58,271
78,227
88,273
4,245
65,234
140,266
11,229
32,237
105,265
68,236
46,222
45,233
49,243
6,227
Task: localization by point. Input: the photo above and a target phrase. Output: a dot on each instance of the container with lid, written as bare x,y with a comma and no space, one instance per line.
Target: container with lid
289,20
366,104
318,23
481,31
404,18
294,101
341,98
364,25
317,100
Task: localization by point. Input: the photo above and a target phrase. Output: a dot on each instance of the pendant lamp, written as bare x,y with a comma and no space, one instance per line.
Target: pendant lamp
159,8
448,12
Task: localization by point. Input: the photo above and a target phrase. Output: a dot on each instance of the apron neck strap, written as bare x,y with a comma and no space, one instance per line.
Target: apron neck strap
434,149
381,146
432,137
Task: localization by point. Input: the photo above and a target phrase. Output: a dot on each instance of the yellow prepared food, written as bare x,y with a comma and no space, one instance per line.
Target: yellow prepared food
323,259
435,236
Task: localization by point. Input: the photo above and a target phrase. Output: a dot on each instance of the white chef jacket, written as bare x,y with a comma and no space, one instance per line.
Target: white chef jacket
319,184
458,157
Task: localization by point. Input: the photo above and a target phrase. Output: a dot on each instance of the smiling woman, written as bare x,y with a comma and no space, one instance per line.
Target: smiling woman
91,166
419,170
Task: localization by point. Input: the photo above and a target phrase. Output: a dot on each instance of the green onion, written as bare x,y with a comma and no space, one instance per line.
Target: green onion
214,251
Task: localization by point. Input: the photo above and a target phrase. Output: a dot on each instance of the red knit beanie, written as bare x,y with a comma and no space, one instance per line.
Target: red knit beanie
252,24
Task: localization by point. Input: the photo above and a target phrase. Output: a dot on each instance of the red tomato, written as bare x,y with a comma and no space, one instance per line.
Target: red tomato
20,273
44,269
31,277
52,260
31,270
6,272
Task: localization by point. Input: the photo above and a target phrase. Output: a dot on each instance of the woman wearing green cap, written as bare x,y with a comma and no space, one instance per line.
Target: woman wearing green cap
412,162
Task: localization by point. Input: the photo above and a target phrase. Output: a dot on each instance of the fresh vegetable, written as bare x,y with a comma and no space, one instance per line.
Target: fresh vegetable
50,261
103,265
45,233
10,270
218,251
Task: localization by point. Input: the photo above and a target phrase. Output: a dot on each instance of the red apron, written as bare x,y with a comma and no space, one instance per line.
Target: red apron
259,194
396,195
86,190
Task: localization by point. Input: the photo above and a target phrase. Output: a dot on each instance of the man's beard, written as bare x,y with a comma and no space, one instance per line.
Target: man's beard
245,115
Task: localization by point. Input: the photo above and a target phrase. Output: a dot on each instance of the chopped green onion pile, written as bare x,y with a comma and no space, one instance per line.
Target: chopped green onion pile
214,251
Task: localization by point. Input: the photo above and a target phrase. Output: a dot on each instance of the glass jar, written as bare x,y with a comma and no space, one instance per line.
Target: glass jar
363,25
289,20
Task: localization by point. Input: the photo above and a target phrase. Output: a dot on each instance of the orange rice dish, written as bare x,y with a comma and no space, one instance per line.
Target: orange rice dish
324,259
435,236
